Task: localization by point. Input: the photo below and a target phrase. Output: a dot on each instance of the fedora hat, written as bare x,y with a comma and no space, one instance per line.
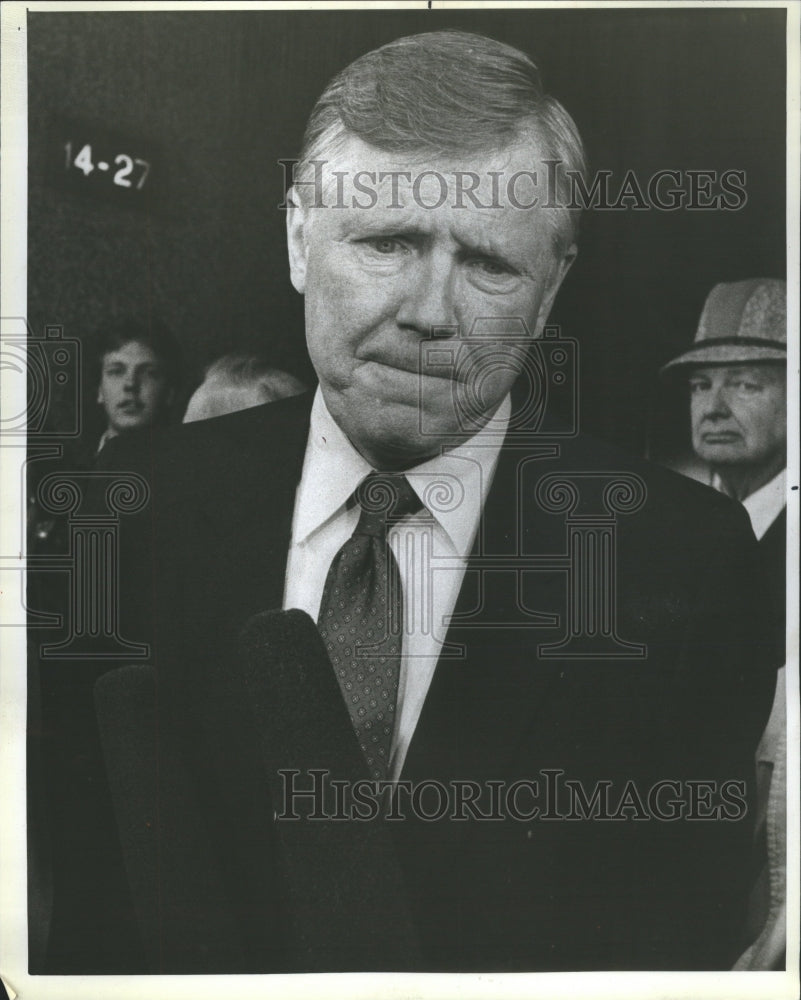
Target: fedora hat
742,322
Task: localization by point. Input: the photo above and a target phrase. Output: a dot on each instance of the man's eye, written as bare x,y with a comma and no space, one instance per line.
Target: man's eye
744,387
698,386
384,245
491,268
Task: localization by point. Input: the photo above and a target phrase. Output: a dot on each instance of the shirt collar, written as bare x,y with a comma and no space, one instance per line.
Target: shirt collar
765,504
332,469
105,437
453,485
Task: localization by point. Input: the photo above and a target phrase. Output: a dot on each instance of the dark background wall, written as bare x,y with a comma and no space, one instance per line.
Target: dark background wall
224,96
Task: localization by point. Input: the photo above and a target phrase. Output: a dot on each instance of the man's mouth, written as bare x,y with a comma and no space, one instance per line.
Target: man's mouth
720,437
409,366
448,362
130,406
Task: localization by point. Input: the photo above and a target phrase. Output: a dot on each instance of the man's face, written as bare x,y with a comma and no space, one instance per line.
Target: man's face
377,280
738,414
133,387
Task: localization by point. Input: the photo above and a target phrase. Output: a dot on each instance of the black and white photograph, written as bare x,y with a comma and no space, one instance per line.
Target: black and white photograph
400,500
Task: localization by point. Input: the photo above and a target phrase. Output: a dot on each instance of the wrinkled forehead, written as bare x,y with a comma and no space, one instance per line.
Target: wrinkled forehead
508,190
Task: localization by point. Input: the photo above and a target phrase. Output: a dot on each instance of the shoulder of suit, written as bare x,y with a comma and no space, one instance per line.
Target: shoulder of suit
179,458
677,501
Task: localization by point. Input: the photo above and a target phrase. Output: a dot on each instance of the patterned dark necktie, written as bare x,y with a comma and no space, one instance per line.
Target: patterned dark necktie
361,615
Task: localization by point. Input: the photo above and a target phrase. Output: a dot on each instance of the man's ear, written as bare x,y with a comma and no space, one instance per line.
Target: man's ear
560,268
100,395
297,222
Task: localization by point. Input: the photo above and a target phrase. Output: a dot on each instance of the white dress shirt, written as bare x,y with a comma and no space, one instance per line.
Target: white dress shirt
431,552
765,504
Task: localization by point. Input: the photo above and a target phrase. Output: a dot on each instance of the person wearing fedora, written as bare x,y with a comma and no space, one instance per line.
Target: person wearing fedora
736,373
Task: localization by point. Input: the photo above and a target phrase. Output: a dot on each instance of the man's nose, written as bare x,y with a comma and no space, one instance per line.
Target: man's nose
428,296
718,403
131,381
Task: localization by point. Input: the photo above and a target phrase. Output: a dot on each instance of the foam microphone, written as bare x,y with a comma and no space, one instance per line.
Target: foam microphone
344,891
292,688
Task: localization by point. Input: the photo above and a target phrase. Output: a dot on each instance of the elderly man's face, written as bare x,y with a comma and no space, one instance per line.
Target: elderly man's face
377,280
738,414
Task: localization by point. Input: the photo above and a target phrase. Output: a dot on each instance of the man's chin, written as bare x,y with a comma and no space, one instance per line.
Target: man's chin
721,454
395,439
403,418
130,424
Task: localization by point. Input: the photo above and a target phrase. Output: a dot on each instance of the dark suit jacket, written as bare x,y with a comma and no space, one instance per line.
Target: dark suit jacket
550,894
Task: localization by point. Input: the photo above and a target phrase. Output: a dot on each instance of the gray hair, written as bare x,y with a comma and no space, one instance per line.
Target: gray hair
446,93
237,382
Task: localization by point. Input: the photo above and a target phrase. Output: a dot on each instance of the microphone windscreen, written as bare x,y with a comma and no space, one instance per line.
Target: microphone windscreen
292,686
344,891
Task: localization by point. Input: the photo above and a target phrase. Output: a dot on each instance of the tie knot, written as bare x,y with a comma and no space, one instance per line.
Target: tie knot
384,497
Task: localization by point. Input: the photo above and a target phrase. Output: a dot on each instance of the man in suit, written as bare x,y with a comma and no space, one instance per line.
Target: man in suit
736,372
135,370
134,375
559,637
